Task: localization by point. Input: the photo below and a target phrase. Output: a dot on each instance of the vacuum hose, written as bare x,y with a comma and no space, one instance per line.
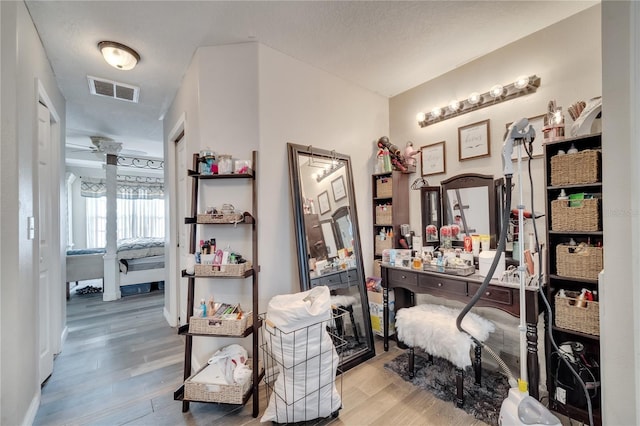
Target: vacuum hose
485,283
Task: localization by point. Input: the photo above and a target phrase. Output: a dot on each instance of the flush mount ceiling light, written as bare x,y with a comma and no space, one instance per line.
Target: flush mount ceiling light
523,85
118,55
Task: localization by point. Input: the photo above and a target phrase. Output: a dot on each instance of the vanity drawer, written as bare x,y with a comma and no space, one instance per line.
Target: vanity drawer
444,284
493,293
402,278
349,276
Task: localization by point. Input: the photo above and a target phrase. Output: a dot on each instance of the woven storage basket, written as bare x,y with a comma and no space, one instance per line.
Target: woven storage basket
233,270
584,217
227,394
578,262
384,187
227,327
381,245
572,317
220,218
384,214
581,167
377,268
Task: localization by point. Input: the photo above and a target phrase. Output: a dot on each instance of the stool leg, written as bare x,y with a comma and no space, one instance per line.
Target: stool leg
477,365
430,359
411,362
459,387
353,323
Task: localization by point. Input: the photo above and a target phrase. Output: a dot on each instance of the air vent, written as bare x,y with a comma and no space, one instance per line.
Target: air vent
113,89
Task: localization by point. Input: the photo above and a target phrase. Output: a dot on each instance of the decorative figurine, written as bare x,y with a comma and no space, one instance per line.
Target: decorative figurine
409,153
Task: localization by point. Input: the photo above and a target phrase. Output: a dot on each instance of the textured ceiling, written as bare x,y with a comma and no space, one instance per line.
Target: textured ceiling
385,47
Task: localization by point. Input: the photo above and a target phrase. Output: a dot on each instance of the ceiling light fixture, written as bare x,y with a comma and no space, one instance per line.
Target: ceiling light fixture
498,93
118,55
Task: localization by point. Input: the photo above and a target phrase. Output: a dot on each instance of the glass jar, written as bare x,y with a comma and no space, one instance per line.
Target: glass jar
225,164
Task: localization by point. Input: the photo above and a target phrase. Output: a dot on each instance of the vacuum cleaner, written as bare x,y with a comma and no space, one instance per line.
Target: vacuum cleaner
519,408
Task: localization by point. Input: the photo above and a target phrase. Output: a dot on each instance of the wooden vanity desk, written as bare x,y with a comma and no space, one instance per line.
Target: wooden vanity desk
504,296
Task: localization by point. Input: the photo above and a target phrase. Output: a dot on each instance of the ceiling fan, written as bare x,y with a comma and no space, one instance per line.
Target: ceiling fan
94,147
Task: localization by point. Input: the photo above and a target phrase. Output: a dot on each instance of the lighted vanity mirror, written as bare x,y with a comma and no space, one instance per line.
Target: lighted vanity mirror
469,201
328,242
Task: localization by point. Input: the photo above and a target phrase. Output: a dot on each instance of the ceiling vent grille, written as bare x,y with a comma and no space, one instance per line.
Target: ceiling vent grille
113,89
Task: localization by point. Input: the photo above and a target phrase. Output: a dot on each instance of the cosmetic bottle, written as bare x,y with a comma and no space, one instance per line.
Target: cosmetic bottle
203,306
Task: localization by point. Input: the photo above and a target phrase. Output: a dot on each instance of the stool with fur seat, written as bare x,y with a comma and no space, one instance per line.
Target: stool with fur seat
433,329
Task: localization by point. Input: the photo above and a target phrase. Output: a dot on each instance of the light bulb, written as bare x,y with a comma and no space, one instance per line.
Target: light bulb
474,98
421,116
496,91
454,105
436,112
521,82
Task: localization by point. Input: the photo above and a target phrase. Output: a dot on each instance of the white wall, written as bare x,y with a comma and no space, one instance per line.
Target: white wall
244,97
23,62
620,305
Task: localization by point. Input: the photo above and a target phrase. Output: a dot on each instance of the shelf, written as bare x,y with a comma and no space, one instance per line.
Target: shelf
184,331
575,333
575,185
576,280
383,224
196,175
382,198
578,233
247,274
247,220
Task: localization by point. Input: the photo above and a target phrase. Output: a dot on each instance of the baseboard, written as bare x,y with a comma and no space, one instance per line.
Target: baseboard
167,315
63,337
108,297
30,415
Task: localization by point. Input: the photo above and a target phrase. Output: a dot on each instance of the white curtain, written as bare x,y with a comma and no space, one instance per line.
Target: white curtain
140,211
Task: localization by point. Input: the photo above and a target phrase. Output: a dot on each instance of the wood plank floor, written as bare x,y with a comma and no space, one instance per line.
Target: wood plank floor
121,364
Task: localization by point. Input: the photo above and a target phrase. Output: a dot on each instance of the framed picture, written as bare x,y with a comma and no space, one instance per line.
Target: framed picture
323,202
337,185
433,159
537,123
473,141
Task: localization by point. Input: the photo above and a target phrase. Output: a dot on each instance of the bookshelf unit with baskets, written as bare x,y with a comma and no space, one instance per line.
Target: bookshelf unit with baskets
390,210
222,327
573,183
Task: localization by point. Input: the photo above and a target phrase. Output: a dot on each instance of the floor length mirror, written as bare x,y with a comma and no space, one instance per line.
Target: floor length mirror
328,242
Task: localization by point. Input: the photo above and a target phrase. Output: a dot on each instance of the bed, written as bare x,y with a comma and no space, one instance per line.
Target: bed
141,261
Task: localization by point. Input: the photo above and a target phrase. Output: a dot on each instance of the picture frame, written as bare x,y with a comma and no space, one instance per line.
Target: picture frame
474,141
324,205
337,186
537,123
433,159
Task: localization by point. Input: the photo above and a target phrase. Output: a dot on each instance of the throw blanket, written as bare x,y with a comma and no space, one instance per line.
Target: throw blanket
130,248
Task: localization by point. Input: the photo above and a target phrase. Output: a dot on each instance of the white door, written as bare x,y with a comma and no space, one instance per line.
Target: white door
44,234
182,229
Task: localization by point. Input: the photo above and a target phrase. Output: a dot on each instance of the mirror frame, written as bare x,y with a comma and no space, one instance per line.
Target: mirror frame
472,180
294,152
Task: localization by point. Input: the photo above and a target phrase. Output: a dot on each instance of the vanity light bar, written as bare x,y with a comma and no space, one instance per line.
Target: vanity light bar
497,94
327,171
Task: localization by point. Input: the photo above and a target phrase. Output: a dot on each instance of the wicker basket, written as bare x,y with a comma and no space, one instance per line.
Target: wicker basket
227,394
377,268
578,168
384,214
384,187
381,245
219,326
232,270
572,317
584,217
220,218
578,262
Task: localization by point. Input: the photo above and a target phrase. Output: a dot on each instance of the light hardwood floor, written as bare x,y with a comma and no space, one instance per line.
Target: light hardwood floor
121,364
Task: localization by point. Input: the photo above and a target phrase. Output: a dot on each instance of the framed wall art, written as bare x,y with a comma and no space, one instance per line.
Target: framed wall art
323,202
473,141
433,159
337,185
537,123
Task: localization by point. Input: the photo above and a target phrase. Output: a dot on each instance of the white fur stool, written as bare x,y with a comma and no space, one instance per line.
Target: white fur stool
346,303
433,329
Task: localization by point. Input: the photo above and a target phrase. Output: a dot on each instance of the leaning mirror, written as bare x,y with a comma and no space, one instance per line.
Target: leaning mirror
328,241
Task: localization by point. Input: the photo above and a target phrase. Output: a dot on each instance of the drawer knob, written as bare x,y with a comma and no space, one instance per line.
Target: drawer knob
488,293
439,284
404,277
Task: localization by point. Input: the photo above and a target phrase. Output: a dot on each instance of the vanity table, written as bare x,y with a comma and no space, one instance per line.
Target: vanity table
504,296
341,278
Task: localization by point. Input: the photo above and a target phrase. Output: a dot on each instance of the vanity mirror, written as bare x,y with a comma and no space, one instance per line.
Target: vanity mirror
328,241
468,201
